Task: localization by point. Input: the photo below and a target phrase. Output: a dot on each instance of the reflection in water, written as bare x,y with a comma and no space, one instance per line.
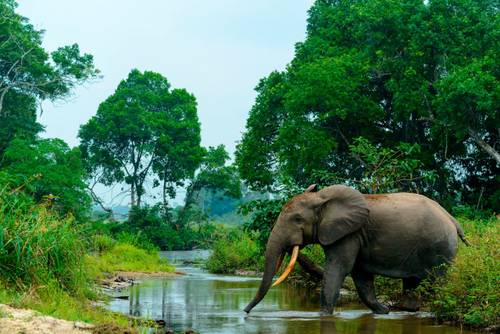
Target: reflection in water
213,304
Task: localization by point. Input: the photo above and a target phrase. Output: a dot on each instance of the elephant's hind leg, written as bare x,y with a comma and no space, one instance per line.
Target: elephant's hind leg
409,301
363,281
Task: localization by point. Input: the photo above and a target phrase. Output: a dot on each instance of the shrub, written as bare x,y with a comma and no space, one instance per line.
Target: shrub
238,250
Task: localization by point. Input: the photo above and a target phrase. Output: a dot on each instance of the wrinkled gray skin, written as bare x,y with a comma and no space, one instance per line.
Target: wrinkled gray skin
399,235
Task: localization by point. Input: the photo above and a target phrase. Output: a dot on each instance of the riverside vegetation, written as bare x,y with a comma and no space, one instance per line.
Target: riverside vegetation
51,263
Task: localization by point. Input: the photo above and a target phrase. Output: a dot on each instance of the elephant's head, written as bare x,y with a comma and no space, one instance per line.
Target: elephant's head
323,217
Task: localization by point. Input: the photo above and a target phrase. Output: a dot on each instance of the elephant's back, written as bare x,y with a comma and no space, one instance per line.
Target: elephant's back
407,234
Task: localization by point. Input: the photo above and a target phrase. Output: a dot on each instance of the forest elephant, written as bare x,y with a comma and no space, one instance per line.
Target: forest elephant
399,235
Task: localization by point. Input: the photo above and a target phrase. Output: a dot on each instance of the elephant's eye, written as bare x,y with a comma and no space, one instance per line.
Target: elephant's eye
298,219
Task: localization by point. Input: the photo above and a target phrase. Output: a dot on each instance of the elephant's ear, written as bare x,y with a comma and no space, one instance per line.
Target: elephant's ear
343,211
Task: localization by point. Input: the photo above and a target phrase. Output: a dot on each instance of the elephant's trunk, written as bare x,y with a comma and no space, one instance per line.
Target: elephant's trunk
274,250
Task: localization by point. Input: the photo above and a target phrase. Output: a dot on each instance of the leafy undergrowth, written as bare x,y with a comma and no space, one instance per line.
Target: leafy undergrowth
126,257
238,250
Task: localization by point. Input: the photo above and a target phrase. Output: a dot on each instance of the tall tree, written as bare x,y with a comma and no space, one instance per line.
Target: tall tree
145,129
392,72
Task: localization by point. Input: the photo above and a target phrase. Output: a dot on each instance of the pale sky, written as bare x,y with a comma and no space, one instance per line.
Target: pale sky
218,50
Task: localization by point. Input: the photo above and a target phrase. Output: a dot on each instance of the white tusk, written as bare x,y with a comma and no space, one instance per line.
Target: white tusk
290,266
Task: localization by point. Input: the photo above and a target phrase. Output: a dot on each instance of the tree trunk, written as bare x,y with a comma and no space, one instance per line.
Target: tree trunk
132,194
484,145
139,195
165,201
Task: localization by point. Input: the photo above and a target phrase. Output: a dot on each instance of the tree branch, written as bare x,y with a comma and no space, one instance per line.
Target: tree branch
484,145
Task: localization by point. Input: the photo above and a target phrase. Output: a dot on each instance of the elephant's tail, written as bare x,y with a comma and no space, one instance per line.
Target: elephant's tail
460,232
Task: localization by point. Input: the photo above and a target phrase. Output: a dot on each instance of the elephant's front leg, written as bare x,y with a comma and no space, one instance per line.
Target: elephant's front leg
340,258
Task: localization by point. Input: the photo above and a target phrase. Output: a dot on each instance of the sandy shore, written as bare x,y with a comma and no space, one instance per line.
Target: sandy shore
17,321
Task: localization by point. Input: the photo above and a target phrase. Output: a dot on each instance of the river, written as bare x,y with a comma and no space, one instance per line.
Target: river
209,303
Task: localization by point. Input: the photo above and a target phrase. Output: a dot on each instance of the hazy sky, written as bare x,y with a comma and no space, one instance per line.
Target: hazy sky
217,49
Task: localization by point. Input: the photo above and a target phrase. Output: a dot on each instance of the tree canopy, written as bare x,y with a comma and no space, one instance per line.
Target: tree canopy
49,171
30,74
391,72
145,129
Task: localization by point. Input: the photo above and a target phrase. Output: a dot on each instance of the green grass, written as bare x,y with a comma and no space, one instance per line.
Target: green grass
126,257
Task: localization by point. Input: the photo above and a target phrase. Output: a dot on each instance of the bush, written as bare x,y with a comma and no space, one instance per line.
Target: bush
469,293
42,262
238,250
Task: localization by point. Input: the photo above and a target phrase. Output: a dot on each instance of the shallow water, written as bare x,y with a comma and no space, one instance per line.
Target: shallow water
211,303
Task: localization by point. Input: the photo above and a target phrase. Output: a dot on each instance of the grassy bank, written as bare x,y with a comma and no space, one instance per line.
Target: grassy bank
126,257
469,293
46,263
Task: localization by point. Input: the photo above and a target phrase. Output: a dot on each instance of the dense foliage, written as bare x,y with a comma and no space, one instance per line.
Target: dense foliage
49,171
398,74
237,250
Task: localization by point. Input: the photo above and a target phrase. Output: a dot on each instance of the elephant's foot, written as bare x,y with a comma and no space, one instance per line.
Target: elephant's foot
407,303
326,311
